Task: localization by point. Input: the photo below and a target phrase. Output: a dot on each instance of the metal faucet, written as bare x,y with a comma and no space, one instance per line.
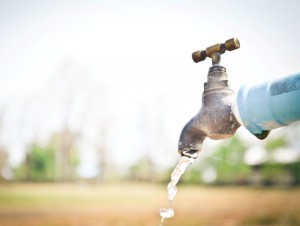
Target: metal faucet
216,118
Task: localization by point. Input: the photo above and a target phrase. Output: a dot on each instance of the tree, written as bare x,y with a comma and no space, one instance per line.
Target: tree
66,156
3,162
38,165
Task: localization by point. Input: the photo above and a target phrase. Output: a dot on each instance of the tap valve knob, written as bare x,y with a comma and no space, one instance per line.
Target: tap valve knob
216,50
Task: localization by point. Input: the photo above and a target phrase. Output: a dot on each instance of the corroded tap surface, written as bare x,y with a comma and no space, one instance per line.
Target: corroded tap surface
216,118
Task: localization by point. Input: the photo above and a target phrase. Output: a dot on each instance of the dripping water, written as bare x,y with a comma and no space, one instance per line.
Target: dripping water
172,189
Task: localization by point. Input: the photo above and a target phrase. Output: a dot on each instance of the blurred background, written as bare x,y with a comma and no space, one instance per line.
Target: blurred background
94,95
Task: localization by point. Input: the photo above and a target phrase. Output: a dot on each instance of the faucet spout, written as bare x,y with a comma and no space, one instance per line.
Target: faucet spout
191,138
216,119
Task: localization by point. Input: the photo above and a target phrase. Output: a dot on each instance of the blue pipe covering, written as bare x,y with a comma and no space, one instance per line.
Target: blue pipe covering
270,105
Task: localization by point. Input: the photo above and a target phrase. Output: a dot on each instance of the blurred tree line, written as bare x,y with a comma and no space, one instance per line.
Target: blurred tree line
61,111
58,162
53,162
225,166
73,94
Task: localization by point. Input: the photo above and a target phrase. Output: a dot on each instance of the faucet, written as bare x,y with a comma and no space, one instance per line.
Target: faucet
216,118
260,108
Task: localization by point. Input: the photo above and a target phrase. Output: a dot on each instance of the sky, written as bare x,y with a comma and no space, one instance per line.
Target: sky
126,66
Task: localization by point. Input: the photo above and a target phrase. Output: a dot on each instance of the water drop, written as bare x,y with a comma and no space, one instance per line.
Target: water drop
166,213
172,189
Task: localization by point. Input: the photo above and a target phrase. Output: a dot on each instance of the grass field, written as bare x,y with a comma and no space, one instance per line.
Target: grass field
138,204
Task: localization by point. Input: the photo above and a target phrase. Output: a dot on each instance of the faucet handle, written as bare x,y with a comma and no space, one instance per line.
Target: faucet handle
220,48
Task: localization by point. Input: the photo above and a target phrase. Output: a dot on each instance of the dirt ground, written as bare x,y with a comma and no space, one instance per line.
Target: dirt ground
139,204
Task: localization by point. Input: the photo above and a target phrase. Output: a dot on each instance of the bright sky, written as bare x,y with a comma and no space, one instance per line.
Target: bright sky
131,67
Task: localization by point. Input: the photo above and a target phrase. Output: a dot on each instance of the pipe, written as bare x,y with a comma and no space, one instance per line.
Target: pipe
260,108
269,105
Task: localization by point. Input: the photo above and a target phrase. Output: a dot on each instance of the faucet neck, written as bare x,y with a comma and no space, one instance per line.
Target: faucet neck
217,78
217,67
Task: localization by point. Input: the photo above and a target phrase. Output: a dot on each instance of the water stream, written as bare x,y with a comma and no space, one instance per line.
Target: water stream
172,190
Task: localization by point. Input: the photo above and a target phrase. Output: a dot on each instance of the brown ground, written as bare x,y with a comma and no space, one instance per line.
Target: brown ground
138,204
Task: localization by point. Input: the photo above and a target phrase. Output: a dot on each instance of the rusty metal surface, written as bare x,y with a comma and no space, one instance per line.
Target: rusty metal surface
216,118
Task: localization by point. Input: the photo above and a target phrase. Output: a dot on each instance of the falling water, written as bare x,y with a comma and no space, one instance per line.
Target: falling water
175,176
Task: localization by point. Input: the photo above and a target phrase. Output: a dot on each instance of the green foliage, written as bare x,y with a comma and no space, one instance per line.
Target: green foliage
294,169
273,173
228,161
39,164
281,174
275,143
